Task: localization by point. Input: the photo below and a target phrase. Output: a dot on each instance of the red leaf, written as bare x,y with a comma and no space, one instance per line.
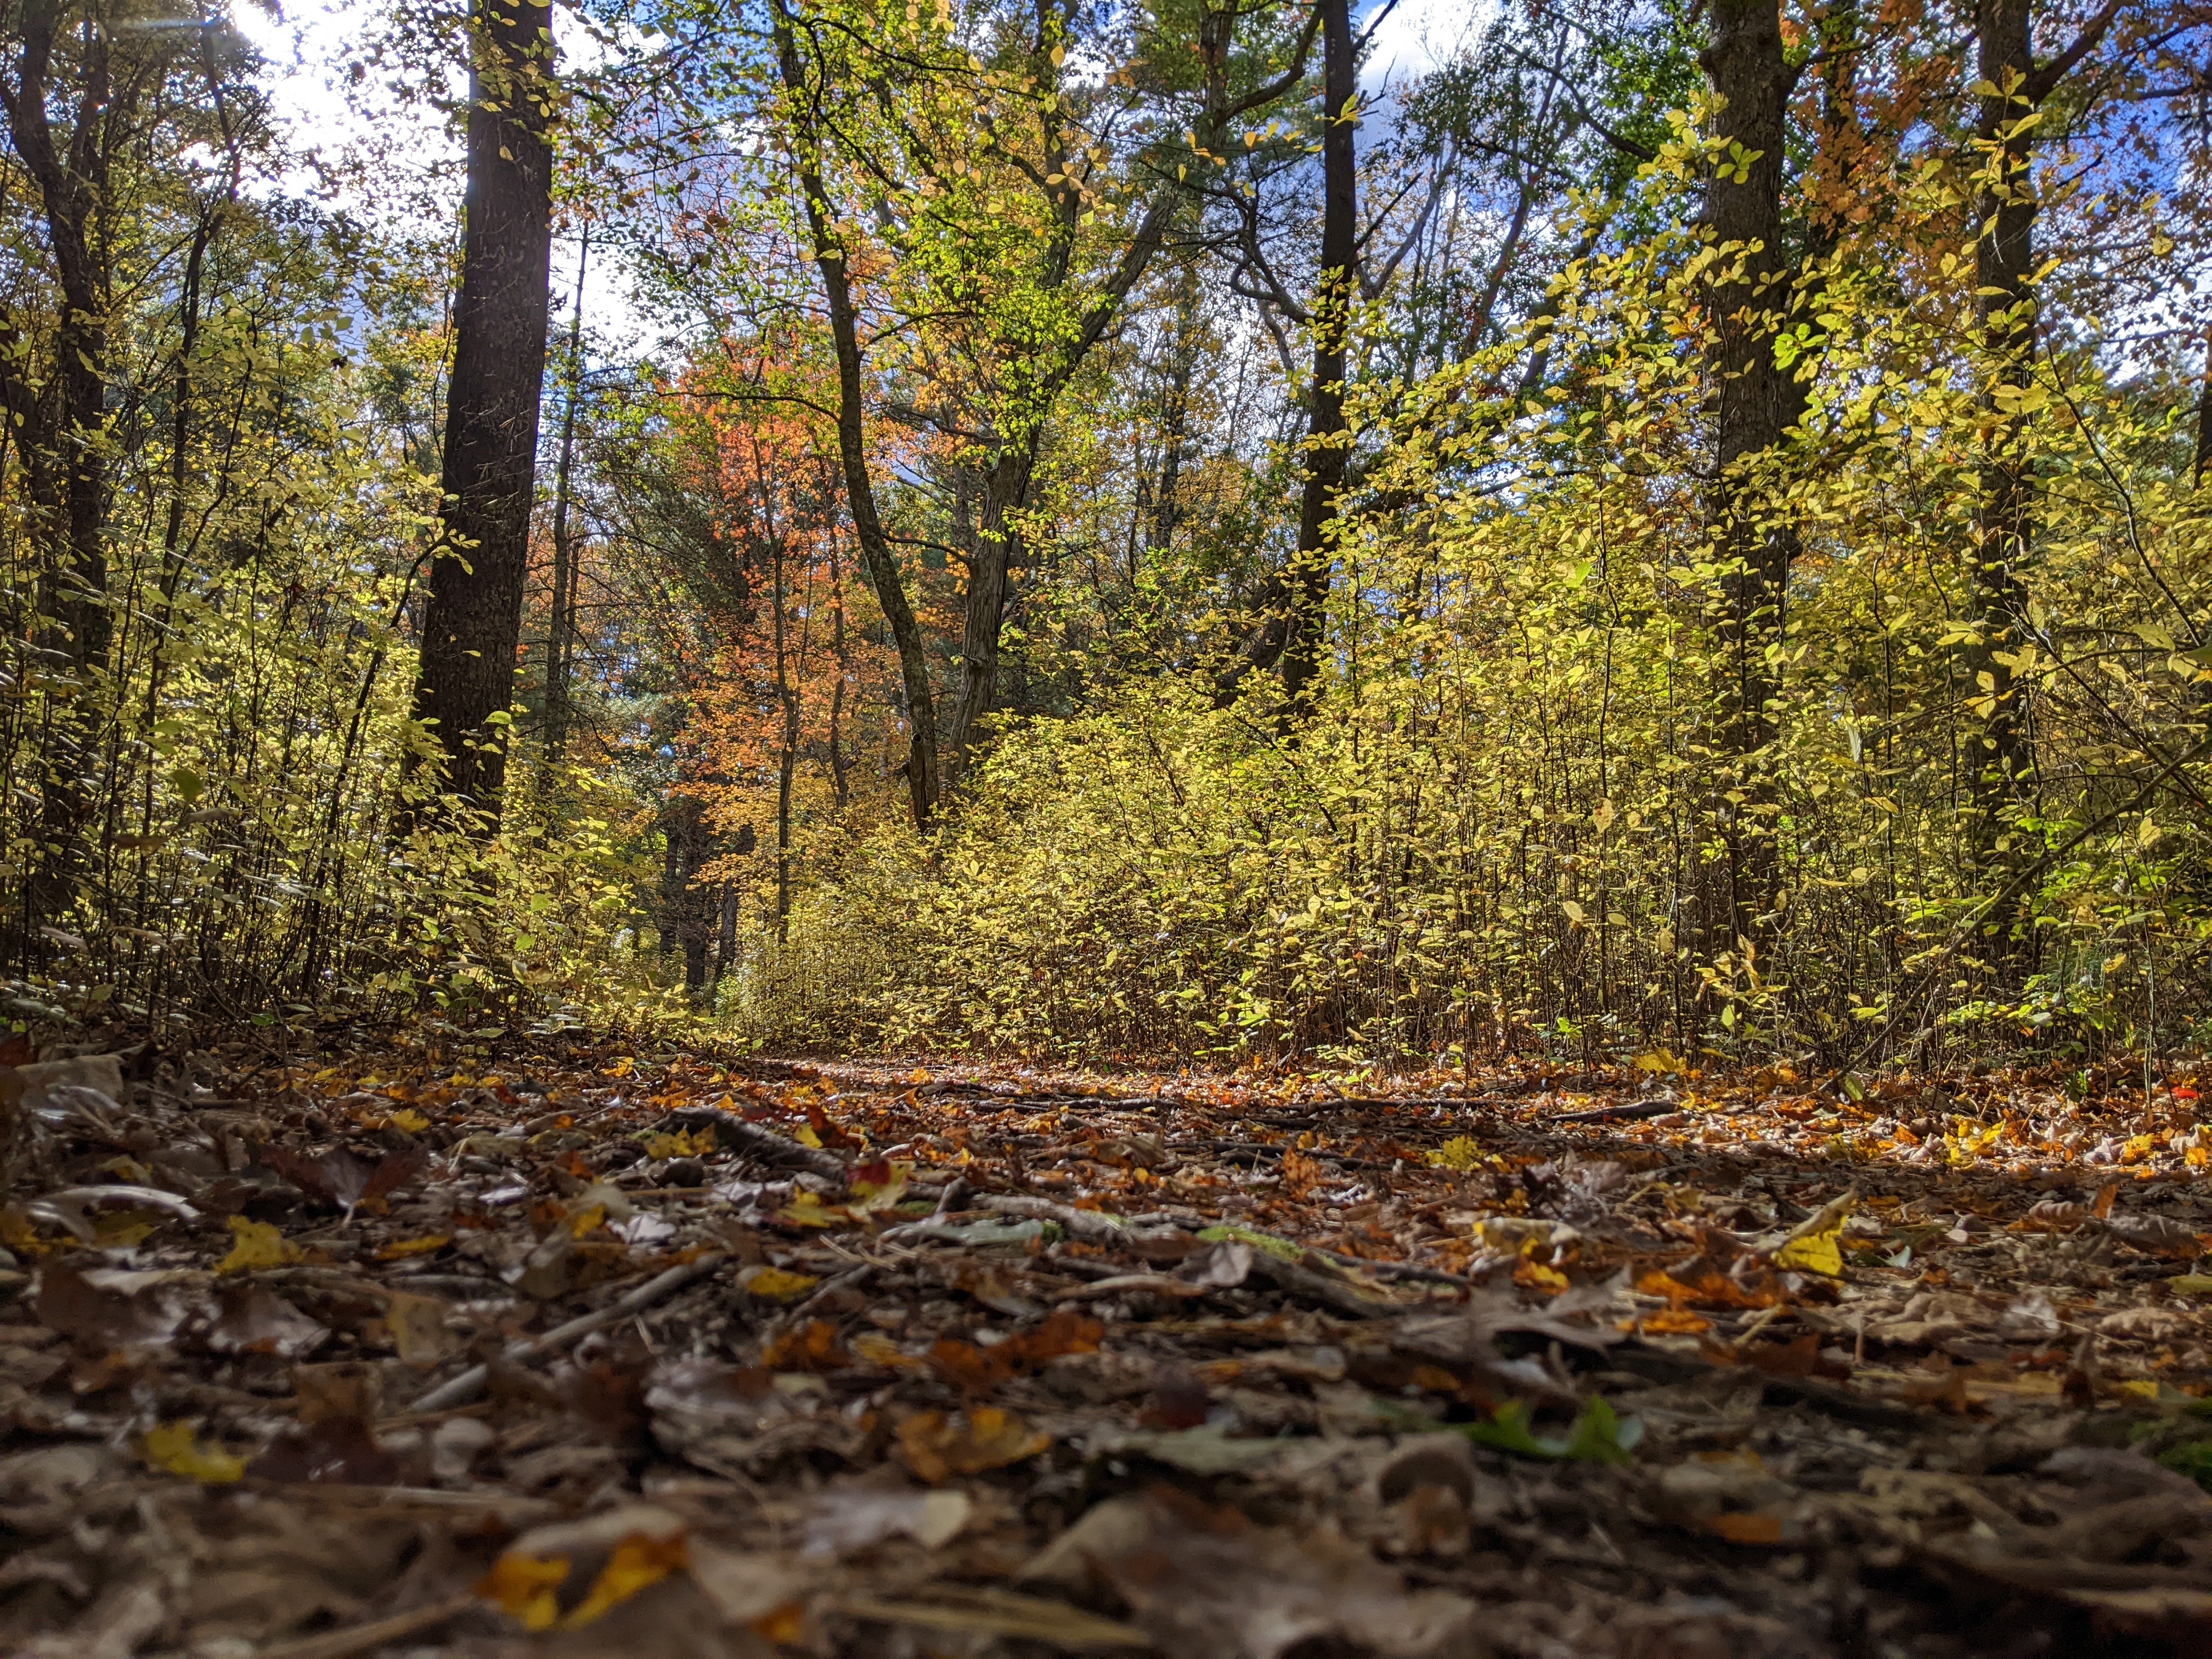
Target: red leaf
342,1176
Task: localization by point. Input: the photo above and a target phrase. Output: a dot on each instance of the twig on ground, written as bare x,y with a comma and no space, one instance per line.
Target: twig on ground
378,1632
464,1388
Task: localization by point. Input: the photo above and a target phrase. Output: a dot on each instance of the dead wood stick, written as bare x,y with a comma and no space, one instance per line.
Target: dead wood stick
359,1638
1623,1112
1304,1285
463,1388
1092,1226
733,1134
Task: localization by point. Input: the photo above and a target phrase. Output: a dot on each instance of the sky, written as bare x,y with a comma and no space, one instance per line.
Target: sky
307,47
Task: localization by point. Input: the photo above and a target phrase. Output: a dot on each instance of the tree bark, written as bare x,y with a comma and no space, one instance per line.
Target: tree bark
472,623
1330,319
992,556
878,561
1756,403
77,630
2005,207
561,629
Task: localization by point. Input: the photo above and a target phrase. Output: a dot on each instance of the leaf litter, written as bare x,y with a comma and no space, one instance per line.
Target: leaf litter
503,1346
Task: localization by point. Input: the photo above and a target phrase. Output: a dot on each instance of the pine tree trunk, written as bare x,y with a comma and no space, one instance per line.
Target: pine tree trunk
472,623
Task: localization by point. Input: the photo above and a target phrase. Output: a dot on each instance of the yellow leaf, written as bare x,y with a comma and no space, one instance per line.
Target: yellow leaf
684,1143
173,1449
807,1210
774,1285
1460,1152
2191,1284
257,1244
867,1196
638,1561
587,1220
400,1249
410,1119
525,1587
1815,1252
806,1137
1536,1276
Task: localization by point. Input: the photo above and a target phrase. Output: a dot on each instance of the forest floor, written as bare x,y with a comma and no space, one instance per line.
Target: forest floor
523,1345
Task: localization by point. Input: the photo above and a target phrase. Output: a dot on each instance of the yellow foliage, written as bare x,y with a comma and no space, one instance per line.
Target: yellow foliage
174,1449
257,1244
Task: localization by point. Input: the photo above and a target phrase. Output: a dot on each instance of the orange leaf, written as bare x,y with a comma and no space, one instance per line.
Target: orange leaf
812,1347
1740,1527
937,1447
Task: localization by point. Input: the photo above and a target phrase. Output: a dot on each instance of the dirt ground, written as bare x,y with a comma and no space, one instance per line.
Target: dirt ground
501,1343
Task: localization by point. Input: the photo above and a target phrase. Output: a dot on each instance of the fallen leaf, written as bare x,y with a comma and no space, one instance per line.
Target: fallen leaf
1460,1152
251,1319
1816,1245
2157,1234
636,1562
878,1186
936,1446
683,1143
401,1249
420,1332
1207,1583
257,1244
806,1209
1599,1434
102,1318
1063,1332
343,1177
838,1522
615,1554
334,1449
813,1346
774,1285
174,1449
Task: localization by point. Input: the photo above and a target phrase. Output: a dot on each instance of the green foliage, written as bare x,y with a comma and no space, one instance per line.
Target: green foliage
1599,1434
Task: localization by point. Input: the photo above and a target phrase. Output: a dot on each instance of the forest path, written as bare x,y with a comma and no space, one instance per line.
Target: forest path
515,1343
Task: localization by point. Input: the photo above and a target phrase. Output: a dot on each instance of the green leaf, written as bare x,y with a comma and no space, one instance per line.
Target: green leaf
1599,1435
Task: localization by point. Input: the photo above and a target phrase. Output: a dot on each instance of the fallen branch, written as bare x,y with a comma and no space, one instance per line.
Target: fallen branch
733,1134
1304,1285
378,1632
1623,1112
464,1388
1091,1226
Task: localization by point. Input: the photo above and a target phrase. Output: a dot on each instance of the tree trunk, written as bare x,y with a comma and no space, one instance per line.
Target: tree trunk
2005,310
991,558
1331,318
472,623
76,629
1756,403
877,559
561,630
